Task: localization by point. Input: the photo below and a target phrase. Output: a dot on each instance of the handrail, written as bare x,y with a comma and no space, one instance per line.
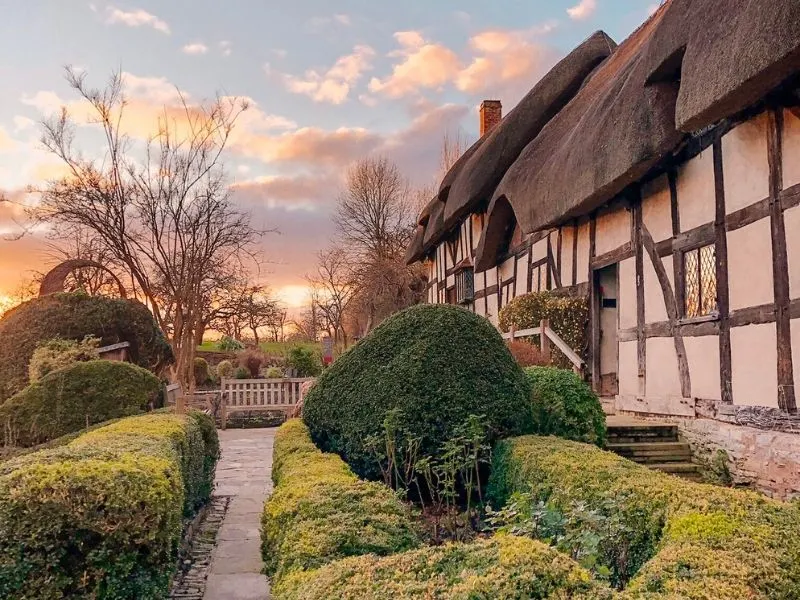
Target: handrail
577,362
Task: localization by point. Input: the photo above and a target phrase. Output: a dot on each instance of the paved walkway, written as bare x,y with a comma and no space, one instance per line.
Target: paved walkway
244,473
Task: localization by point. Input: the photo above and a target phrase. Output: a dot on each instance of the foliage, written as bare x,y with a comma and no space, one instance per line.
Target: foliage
437,365
55,354
75,397
526,354
565,406
568,317
274,373
225,369
242,373
665,537
73,317
251,360
305,361
320,512
201,371
101,517
229,344
503,567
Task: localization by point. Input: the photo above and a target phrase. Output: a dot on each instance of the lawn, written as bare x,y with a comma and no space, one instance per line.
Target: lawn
270,348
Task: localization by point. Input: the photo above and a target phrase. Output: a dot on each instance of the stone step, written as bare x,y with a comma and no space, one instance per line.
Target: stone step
675,468
637,434
654,452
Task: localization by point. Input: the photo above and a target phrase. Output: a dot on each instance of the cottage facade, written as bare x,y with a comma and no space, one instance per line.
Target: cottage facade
661,180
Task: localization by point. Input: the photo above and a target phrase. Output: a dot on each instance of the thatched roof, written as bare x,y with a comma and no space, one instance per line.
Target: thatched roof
484,169
415,252
434,229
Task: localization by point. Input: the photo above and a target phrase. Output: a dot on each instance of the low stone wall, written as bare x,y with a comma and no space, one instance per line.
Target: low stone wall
766,460
254,419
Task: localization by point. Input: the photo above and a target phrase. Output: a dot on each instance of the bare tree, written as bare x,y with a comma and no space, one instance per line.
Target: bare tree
164,215
337,283
84,244
453,146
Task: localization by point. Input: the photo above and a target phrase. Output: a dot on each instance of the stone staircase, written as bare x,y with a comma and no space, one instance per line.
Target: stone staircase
652,444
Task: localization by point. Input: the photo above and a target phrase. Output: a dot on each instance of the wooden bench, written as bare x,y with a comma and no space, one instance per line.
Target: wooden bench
261,394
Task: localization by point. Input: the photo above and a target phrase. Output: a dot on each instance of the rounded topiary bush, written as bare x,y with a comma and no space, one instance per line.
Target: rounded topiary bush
74,316
565,406
75,397
435,366
201,371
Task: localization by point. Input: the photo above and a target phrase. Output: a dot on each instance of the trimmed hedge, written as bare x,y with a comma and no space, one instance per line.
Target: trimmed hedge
76,397
74,316
565,406
503,567
676,539
101,517
321,512
437,365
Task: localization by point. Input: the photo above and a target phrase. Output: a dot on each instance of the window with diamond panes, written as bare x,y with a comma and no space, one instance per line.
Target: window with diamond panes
700,273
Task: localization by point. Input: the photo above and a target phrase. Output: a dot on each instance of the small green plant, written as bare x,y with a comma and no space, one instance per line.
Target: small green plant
225,369
242,373
305,361
58,353
274,373
229,344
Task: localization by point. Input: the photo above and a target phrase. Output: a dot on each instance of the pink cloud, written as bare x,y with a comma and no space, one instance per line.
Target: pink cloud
583,10
136,18
195,48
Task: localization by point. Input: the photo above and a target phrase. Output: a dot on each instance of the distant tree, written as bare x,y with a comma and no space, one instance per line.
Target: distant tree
337,284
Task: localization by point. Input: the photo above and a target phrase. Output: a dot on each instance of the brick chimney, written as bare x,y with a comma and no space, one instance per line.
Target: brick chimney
491,115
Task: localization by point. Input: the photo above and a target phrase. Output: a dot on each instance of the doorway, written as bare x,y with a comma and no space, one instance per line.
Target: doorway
607,282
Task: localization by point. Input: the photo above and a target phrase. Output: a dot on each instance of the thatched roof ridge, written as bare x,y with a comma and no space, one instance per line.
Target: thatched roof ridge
485,168
434,228
415,252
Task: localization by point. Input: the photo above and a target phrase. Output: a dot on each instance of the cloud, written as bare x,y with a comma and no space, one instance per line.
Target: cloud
317,24
6,142
136,18
291,192
226,48
23,123
195,48
583,10
334,85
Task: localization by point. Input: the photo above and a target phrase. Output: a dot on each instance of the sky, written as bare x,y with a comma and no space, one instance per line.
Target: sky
328,82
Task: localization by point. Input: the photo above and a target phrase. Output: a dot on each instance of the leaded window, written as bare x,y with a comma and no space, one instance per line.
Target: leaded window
700,281
465,286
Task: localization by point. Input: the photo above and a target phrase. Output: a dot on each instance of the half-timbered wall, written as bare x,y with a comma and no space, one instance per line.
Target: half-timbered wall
737,192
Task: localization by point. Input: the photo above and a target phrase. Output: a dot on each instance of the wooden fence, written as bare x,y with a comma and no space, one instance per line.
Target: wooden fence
261,394
545,340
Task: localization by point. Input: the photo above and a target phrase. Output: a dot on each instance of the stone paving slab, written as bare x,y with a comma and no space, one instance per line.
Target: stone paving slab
244,473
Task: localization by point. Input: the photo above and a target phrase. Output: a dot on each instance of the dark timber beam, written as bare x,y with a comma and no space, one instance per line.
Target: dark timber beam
723,301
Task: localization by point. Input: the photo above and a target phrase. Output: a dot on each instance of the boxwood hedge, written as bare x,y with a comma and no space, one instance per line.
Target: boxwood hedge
75,397
675,539
320,511
101,517
436,365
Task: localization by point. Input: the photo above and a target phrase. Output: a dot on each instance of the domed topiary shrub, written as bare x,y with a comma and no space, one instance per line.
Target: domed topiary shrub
201,371
73,317
75,397
436,365
565,406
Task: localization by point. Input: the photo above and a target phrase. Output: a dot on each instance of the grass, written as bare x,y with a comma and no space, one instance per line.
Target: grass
271,348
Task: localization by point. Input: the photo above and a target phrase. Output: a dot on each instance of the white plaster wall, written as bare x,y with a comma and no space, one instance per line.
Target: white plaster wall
492,308
750,265
491,277
566,256
795,328
506,270
627,293
657,209
702,354
540,250
695,186
792,222
613,230
744,164
655,309
522,275
583,253
543,277
628,369
662,379
754,359
791,149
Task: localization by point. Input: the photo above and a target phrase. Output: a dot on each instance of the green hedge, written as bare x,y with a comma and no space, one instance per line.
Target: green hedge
568,317
74,316
503,567
101,517
565,406
675,539
321,512
75,397
434,364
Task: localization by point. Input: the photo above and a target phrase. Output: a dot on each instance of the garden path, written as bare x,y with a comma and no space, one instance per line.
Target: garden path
245,474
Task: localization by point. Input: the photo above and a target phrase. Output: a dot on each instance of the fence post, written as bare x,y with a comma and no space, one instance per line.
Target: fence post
223,409
513,331
544,341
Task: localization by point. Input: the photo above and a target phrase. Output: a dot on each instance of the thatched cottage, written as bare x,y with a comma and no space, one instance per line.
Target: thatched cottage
661,179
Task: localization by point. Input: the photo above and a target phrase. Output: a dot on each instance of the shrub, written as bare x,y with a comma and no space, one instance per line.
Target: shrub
101,517
526,354
321,512
57,353
251,360
274,373
568,317
229,344
565,406
201,371
502,567
74,316
225,369
436,365
241,373
305,361
675,539
75,397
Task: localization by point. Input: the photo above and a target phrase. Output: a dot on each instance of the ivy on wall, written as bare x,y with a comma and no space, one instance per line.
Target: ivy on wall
568,317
